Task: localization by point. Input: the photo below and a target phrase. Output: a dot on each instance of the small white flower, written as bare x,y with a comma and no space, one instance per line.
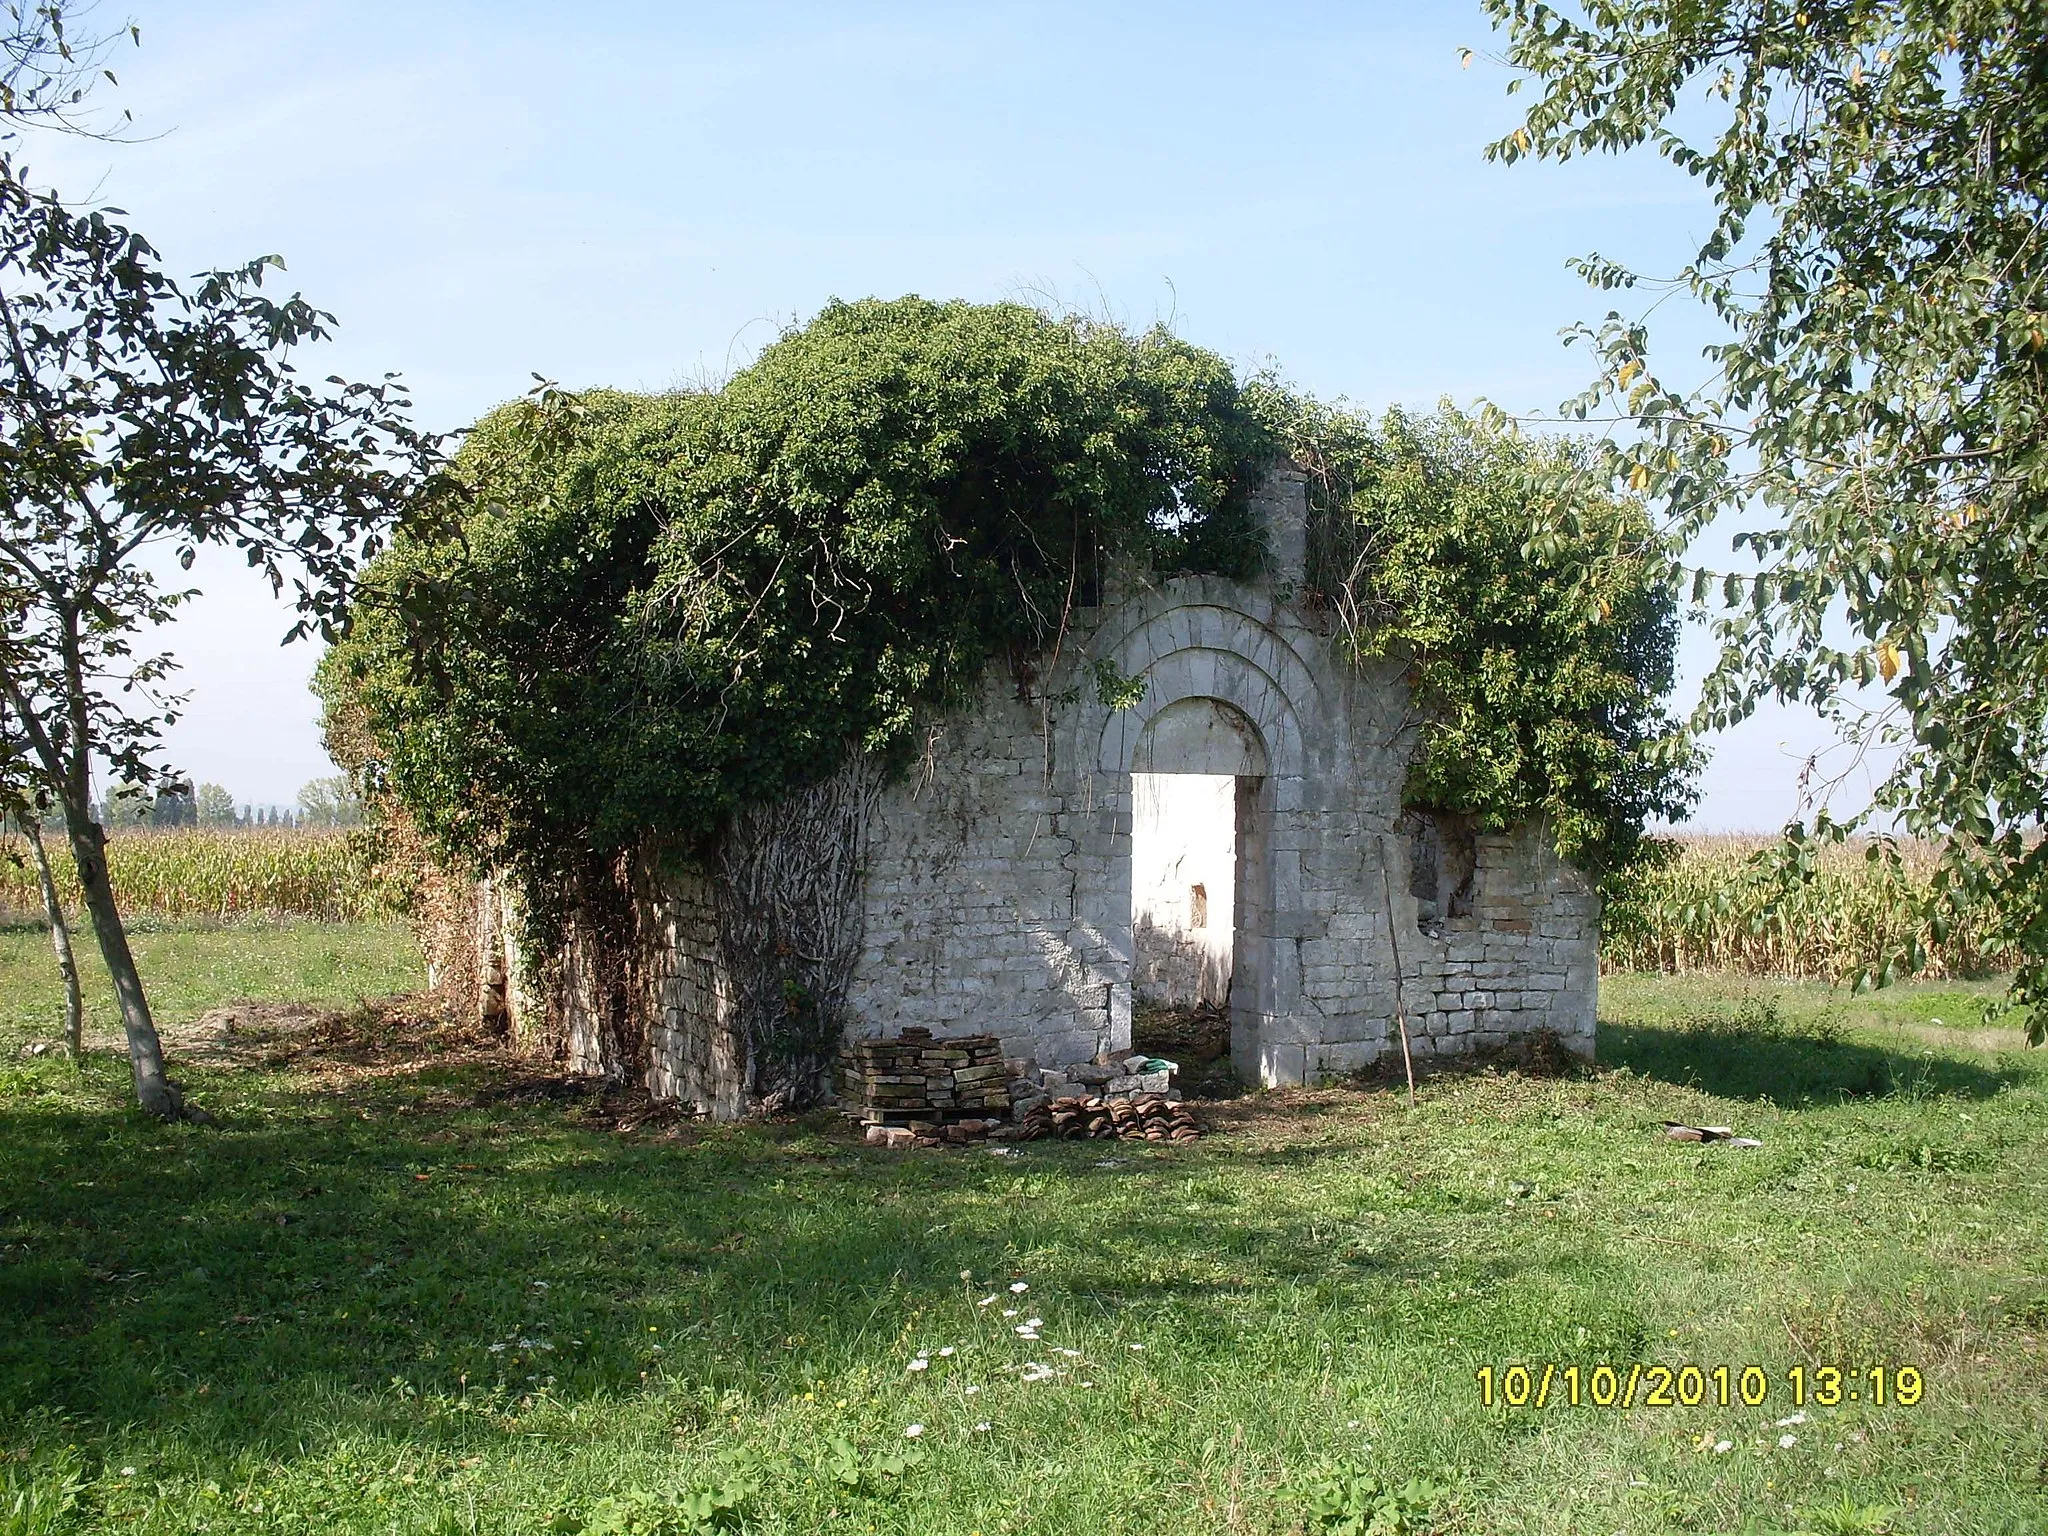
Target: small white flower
982,1428
1027,1333
1852,1189
1071,1354
984,1301
1087,1383
913,1431
1018,1287
966,1274
971,1390
127,1471
1786,1442
1033,1371
1034,1322
540,1285
1139,1348
920,1364
1351,1423
946,1351
1009,1311
1723,1447
1797,1418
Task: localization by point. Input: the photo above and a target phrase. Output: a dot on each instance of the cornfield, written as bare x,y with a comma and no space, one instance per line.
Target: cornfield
227,873
1707,910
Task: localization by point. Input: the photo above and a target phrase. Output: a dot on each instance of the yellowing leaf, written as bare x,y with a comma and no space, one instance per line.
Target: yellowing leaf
1629,370
1888,661
1522,139
1464,58
1638,477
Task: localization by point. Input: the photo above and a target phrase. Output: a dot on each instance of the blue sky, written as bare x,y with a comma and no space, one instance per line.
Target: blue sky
641,195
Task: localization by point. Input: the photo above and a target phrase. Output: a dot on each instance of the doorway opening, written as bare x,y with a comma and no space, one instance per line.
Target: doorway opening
1184,929
1183,880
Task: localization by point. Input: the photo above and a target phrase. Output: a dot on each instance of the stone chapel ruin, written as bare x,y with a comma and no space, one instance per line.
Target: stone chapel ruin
1236,836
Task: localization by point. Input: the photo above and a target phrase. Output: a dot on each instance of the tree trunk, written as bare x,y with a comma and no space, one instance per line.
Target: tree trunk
60,938
153,1090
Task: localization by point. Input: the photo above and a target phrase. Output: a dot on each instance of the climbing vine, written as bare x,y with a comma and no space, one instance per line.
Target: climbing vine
1539,665
647,611
631,622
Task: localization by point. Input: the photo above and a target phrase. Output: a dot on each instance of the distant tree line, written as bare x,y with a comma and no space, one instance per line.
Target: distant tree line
329,802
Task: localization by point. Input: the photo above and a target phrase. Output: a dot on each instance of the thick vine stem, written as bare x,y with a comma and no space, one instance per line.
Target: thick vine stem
789,928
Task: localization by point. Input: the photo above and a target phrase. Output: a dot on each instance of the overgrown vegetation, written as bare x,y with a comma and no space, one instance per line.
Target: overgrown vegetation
413,1286
1540,666
641,615
658,609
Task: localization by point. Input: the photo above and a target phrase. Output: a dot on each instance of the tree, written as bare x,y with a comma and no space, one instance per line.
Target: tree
144,419
1878,413
330,802
174,806
23,803
46,67
126,806
215,806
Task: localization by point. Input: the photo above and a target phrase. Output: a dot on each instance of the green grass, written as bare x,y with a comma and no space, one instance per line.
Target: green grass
189,967
407,1290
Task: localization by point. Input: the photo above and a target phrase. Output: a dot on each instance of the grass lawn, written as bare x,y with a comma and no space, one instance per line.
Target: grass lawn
410,1286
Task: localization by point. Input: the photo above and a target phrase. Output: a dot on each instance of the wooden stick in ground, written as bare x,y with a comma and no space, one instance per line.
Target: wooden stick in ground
1400,989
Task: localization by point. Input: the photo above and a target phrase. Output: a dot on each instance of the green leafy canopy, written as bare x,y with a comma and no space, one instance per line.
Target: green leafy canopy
1540,665
646,611
1879,412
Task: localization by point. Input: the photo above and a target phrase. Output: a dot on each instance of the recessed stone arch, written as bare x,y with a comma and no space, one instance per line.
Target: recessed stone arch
1196,734
1201,648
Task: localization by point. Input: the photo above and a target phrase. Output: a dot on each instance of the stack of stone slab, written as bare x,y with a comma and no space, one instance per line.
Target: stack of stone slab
1126,1078
917,1076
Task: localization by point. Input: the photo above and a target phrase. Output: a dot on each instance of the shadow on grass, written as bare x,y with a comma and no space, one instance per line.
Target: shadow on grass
1789,1067
428,1250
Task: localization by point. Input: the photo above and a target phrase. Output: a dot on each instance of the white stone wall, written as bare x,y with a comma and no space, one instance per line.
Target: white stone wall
974,870
1000,879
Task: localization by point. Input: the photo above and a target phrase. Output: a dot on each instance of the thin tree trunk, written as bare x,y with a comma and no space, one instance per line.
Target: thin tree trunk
60,938
153,1090
67,765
